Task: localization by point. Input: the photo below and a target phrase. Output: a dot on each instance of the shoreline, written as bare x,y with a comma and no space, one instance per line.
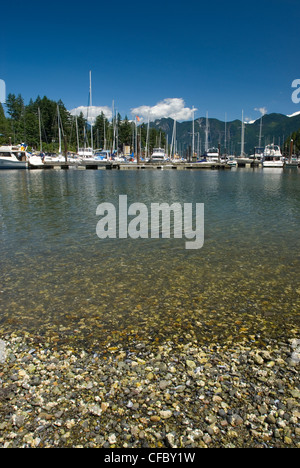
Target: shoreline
168,395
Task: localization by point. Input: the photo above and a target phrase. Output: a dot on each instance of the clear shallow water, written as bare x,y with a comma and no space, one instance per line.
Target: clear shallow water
58,280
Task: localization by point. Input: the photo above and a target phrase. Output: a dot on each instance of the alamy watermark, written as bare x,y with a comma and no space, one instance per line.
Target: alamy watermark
2,92
296,93
137,221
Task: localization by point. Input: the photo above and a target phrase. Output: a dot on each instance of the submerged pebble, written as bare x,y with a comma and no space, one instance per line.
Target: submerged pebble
165,395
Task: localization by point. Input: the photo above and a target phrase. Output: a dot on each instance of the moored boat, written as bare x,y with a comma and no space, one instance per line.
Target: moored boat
86,153
231,161
158,155
102,155
292,162
272,156
13,157
212,154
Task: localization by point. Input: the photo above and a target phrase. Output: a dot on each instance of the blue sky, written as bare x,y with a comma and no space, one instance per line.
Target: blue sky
220,57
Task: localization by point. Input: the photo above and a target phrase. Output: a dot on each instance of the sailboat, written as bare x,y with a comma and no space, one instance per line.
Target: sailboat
243,155
59,157
173,144
35,160
88,152
211,154
258,150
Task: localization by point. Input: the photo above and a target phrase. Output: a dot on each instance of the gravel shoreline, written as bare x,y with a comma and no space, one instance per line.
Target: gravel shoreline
178,395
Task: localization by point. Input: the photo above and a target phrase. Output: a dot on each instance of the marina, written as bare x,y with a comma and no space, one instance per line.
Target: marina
17,158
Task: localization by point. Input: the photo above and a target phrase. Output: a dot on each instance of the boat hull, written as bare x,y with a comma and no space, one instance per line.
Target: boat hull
6,164
273,164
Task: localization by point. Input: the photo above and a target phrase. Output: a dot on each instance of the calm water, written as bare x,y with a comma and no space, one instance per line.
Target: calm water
59,281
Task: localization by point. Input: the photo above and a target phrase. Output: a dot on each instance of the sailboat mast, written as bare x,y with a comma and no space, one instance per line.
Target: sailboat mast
40,130
114,125
77,136
147,139
225,142
91,104
193,140
172,149
175,137
206,133
59,131
243,137
260,131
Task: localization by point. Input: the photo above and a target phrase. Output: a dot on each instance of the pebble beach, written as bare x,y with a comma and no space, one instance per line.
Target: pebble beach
170,395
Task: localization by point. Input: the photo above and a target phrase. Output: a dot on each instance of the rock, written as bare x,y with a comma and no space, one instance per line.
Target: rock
171,440
190,364
104,406
18,420
155,418
112,439
95,410
207,439
271,419
163,384
180,388
295,393
211,419
258,359
263,409
166,414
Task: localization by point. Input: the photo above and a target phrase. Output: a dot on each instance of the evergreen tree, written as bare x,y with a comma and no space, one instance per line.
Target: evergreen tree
125,132
100,128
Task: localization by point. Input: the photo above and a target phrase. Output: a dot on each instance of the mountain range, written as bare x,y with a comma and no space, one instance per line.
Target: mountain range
276,128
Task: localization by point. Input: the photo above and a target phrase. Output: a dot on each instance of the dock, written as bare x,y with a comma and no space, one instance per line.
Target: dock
120,166
127,166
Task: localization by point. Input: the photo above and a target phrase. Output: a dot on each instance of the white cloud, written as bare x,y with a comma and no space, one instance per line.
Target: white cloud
92,112
262,110
170,107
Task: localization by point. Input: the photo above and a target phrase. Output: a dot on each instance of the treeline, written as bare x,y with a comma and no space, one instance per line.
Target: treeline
37,124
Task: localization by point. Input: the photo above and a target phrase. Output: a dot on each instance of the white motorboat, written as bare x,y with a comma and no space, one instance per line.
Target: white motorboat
86,153
212,154
158,155
272,156
35,160
55,158
13,157
231,161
